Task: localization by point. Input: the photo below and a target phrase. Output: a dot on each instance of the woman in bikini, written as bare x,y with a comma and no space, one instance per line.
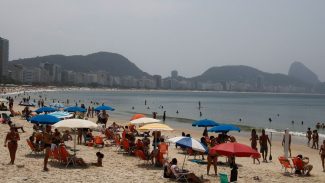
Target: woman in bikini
322,154
254,138
12,138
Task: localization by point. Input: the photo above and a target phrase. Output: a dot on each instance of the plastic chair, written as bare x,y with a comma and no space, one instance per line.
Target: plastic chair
98,140
33,149
223,178
142,156
285,163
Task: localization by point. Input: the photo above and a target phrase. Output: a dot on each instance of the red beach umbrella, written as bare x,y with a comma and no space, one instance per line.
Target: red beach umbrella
137,116
234,149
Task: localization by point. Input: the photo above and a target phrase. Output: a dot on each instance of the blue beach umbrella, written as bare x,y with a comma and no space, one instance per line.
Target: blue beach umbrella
205,123
224,128
189,142
57,105
45,109
104,108
44,119
75,109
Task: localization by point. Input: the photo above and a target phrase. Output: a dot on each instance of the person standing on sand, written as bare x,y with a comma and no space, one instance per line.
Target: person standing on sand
253,139
283,141
315,138
164,116
308,135
322,154
47,140
12,138
263,143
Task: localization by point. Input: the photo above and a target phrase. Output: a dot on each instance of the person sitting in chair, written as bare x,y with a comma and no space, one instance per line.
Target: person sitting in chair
302,165
177,173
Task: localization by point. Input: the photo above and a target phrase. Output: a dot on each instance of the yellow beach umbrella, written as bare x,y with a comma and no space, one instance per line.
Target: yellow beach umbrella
156,127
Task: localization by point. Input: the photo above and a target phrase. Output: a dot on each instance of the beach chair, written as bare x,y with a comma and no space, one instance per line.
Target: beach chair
98,141
163,148
285,164
32,148
299,167
140,154
118,144
65,157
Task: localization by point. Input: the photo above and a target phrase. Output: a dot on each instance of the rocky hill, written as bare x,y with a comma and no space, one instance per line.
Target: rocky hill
299,71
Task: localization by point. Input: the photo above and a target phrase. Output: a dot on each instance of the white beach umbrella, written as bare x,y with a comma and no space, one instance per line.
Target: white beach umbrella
75,123
3,100
144,121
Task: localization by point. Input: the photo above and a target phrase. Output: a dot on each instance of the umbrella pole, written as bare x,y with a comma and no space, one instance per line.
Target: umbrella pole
184,162
74,142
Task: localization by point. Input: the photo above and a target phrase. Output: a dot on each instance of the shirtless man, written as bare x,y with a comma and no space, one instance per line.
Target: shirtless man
263,143
308,135
47,140
322,154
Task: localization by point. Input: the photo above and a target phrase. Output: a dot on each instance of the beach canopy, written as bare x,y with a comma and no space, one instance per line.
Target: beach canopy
61,114
144,121
224,128
156,127
188,142
44,119
57,105
104,108
45,109
75,109
137,116
205,123
75,123
234,149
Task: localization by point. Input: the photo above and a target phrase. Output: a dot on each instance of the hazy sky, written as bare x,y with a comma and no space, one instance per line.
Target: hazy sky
159,36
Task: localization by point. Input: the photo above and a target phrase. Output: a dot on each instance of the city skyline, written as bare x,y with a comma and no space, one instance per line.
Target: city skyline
160,36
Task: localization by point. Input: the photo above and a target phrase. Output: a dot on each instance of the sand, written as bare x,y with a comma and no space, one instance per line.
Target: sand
123,168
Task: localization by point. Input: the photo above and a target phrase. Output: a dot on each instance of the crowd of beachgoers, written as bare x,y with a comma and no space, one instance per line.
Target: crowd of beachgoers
110,152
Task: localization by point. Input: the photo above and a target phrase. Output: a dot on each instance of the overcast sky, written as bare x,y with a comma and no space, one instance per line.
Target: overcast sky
159,36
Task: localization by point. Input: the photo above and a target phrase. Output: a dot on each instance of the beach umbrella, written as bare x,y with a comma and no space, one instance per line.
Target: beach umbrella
188,142
155,127
75,109
137,116
224,128
57,105
104,108
144,121
205,123
45,109
234,149
44,119
74,124
3,100
61,114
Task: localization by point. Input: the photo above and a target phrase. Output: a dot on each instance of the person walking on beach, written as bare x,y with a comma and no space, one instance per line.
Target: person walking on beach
47,140
284,140
322,154
308,135
254,138
12,138
315,138
263,143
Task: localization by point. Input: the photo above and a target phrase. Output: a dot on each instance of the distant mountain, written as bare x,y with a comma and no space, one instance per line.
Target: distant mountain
115,64
299,71
246,74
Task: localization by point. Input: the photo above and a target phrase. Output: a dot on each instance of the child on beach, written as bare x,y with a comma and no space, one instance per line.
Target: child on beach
100,157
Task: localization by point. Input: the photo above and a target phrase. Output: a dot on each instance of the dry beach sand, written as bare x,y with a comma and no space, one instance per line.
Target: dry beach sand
123,168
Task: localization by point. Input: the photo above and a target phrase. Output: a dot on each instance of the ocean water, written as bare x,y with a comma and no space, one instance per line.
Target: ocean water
254,109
